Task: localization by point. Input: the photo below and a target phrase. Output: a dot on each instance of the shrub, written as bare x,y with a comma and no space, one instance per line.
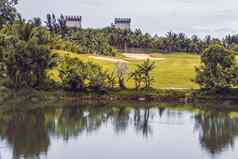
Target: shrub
73,74
79,76
96,77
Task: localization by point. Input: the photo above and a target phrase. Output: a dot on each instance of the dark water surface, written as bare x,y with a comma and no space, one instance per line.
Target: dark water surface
119,132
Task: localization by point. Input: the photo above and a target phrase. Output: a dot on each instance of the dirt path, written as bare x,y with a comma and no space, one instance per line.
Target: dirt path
108,59
141,56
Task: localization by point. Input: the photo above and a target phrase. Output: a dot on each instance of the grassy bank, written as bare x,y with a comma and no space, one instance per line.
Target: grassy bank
25,98
173,71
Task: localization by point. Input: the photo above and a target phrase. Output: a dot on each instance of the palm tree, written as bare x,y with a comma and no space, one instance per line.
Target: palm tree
146,68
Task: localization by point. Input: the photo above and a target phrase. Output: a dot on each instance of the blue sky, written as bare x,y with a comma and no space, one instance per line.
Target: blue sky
202,17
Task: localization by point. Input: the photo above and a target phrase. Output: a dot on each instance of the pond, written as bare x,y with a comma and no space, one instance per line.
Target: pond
120,132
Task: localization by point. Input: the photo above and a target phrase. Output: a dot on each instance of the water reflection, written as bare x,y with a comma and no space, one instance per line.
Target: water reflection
29,133
217,131
26,133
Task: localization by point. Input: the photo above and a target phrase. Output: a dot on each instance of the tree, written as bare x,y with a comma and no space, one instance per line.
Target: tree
79,76
93,41
73,74
25,54
49,22
137,77
7,11
142,74
111,80
36,21
62,25
121,70
96,76
218,70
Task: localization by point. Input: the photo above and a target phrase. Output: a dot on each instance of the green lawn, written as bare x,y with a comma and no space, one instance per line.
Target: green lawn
175,71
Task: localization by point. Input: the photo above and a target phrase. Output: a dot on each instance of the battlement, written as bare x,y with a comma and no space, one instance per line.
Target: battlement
73,21
73,18
122,23
122,20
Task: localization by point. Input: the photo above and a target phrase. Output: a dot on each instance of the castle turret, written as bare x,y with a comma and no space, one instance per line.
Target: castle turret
123,23
73,21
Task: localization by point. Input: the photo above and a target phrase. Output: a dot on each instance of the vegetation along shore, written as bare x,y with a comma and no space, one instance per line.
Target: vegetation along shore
68,62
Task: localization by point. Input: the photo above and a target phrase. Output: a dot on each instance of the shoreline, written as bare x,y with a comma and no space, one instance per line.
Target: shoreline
156,95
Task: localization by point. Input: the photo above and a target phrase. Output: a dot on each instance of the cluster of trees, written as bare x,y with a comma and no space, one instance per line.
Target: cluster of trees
8,11
83,76
219,69
103,41
79,76
24,54
90,41
171,42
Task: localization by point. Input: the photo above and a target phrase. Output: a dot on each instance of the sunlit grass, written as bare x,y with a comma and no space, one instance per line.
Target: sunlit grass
174,71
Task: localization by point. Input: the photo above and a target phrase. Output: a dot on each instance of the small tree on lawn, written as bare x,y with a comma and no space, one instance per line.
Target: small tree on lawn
121,70
142,74
218,70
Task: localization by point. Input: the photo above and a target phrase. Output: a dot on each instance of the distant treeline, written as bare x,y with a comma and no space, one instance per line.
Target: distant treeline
120,39
171,42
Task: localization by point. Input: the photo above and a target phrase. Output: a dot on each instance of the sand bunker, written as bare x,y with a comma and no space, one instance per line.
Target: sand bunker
108,59
141,56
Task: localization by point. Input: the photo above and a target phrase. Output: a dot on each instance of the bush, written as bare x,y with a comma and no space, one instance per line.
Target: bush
73,74
79,76
96,77
218,70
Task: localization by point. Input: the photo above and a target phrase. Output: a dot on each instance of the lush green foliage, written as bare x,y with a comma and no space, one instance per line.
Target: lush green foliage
171,42
7,11
142,74
93,41
56,26
173,71
219,69
80,76
73,74
24,54
58,43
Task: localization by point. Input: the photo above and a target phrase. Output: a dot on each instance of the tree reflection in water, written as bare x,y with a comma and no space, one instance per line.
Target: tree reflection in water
217,131
141,121
120,117
25,133
28,133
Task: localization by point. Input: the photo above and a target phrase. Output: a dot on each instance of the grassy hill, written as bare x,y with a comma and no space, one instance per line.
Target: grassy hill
173,71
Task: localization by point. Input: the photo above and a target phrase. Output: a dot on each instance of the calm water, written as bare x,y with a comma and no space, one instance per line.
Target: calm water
119,132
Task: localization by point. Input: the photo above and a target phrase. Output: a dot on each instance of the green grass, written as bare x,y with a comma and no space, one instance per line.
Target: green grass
175,71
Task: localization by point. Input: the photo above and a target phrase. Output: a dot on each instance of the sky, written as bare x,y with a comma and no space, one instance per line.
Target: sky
202,17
